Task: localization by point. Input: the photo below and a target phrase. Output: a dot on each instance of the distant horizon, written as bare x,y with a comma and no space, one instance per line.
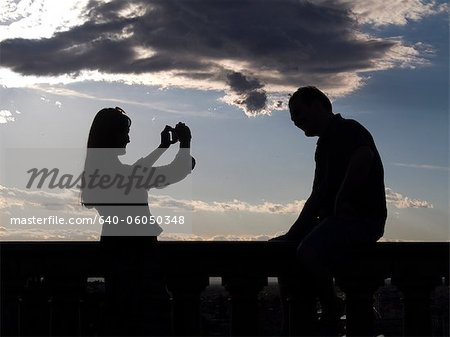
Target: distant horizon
178,237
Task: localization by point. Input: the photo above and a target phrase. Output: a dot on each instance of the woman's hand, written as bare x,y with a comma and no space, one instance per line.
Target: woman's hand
166,134
184,134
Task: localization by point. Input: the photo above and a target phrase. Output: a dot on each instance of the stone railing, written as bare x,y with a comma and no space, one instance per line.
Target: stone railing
43,284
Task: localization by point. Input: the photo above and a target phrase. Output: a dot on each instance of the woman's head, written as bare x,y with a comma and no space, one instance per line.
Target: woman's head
108,138
109,129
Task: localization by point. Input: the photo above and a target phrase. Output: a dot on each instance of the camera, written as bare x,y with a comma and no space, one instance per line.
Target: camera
173,135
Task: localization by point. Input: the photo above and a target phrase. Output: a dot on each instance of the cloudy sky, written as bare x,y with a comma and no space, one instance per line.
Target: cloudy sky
226,69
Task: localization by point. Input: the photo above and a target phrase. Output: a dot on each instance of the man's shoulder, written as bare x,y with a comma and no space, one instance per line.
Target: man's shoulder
349,126
350,123
350,131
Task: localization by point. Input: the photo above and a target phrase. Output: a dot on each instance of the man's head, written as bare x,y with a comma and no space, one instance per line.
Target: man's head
310,110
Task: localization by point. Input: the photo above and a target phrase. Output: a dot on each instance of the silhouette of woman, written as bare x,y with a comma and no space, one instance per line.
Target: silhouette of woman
119,192
136,297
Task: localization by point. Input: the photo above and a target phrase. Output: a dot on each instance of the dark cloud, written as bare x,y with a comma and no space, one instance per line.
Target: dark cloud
251,96
241,84
254,101
248,45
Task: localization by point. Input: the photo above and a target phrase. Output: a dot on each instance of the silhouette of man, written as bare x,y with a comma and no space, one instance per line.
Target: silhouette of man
347,205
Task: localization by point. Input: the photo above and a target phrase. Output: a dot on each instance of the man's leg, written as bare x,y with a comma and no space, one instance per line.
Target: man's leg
299,303
299,306
317,254
328,244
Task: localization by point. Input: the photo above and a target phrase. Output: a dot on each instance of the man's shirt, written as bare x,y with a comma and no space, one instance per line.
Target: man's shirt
335,148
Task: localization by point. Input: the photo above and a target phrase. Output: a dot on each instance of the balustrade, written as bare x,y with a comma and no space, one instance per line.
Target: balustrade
43,285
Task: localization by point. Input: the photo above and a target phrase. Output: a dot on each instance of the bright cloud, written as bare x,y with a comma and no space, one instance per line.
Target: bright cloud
424,166
194,237
67,203
400,201
393,12
34,19
252,50
38,234
6,116
228,206
69,200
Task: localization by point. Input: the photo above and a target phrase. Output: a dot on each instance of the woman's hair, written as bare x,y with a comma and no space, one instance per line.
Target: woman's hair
105,125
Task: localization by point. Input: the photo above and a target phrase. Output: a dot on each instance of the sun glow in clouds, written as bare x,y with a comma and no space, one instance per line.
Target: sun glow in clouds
36,19
195,45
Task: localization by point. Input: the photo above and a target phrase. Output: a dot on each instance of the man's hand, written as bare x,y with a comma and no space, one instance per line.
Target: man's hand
184,134
298,231
284,237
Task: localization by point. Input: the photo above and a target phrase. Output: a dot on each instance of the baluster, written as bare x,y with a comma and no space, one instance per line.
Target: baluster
11,287
19,316
359,308
186,290
66,293
32,309
50,316
416,299
10,310
80,317
299,306
244,290
359,277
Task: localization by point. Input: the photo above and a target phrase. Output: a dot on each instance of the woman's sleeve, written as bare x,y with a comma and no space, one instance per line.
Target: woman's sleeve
151,158
177,170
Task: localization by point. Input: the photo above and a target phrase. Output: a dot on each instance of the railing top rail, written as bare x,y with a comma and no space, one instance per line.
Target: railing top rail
215,256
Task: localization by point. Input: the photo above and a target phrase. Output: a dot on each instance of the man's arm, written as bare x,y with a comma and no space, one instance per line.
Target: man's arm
305,221
357,172
307,218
